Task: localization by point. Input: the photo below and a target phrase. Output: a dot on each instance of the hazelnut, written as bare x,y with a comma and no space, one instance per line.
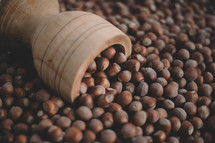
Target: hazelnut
124,98
50,107
108,136
84,113
73,134
95,125
128,130
55,133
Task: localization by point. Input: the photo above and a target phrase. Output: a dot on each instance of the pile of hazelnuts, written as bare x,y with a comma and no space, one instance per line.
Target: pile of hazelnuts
163,92
140,103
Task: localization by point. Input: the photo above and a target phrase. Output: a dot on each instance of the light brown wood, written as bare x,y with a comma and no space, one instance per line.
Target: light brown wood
63,44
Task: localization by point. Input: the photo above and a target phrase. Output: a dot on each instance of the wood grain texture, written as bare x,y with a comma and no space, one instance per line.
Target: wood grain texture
63,44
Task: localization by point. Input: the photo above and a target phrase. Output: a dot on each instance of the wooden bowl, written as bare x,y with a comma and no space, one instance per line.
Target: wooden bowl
62,44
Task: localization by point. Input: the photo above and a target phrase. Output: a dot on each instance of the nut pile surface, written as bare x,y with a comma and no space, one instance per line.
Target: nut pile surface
164,92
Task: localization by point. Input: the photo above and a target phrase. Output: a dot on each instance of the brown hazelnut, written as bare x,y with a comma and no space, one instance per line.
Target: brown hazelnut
142,88
105,100
63,122
170,91
21,138
98,90
81,125
172,140
89,136
179,100
117,85
162,113
164,125
7,89
73,134
129,86
28,86
152,116
92,67
140,58
35,138
42,95
162,81
97,112
103,81
146,41
177,63
120,58
187,128
197,122
183,54
148,128
180,113
109,52
128,130
95,125
203,112
89,81
168,104
124,98
45,124
132,65
55,133
19,92
21,128
190,108
191,96
166,63
107,120
114,107
83,88
135,106
50,107
86,100
205,90
204,100
177,72
149,74
139,118
159,136
148,102
15,112
192,86
84,113
139,131
191,73
121,117
113,69
5,78
156,90
137,77
3,114
58,101
165,74
124,76
55,118
69,112
102,63
6,124
108,136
